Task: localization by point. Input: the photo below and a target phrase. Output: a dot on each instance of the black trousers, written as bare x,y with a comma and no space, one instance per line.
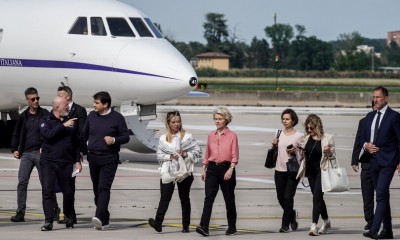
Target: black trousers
215,180
367,190
102,173
286,185
166,191
50,171
319,206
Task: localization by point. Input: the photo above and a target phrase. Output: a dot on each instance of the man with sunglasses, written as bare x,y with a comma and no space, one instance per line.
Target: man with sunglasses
25,145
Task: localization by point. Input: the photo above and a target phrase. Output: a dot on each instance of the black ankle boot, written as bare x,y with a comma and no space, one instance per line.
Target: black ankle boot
69,223
19,217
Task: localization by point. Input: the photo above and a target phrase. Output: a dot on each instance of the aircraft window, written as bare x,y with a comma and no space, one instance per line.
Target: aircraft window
119,27
97,26
141,27
1,34
154,28
80,26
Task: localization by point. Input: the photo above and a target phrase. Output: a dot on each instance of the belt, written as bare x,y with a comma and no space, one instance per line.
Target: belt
219,164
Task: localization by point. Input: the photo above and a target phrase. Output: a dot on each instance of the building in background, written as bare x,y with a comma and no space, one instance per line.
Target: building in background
393,36
215,60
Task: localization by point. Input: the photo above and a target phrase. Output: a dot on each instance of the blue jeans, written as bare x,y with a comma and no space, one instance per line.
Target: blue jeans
27,162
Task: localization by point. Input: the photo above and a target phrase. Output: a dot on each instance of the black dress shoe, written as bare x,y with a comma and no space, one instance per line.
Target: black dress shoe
69,223
202,231
284,229
370,234
185,229
368,227
47,227
154,224
230,231
385,234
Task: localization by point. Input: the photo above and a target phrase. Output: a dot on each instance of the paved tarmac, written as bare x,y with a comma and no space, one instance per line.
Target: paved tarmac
135,192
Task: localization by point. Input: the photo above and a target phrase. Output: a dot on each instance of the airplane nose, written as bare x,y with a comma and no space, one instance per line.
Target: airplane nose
193,81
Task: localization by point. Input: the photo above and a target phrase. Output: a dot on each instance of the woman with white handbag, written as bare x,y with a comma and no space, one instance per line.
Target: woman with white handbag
318,149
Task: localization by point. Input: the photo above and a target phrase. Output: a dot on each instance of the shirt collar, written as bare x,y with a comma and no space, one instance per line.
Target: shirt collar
383,110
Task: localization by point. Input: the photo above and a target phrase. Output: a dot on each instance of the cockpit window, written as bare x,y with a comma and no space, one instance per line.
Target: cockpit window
119,27
154,28
97,26
80,26
141,27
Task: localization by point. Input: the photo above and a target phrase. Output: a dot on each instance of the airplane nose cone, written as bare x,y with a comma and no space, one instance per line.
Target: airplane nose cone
155,62
193,81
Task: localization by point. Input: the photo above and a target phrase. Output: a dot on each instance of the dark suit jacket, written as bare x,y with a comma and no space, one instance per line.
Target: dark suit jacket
358,144
388,138
77,111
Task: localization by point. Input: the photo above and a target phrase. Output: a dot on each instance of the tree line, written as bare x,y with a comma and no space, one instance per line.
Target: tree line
289,48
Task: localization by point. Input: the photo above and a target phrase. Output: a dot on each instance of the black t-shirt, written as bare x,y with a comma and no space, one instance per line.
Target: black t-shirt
313,157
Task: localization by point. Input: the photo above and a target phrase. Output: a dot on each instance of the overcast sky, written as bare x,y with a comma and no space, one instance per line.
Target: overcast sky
182,20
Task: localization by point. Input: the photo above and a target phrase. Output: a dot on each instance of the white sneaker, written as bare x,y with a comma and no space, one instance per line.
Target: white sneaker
97,223
313,230
105,227
326,225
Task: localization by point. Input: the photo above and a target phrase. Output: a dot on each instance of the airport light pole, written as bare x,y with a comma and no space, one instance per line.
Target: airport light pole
276,56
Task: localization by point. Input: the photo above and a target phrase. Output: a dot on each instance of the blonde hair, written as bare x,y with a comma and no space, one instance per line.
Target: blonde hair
224,112
181,131
315,122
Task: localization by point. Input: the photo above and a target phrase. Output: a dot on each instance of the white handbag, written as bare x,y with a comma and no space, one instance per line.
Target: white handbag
334,178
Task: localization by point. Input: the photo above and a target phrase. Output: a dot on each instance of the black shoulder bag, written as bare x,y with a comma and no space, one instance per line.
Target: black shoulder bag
272,155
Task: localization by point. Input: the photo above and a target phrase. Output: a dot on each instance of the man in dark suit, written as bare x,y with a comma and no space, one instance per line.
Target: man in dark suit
79,112
381,138
367,186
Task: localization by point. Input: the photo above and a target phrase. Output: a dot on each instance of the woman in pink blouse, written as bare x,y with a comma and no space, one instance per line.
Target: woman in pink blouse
285,181
222,155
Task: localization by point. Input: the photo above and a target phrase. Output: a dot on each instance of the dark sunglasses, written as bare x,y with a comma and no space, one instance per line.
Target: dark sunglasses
310,128
174,113
36,98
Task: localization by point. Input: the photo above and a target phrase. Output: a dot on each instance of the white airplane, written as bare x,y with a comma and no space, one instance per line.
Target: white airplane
91,46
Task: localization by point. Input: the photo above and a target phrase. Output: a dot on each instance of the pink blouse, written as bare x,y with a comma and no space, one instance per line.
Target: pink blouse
223,148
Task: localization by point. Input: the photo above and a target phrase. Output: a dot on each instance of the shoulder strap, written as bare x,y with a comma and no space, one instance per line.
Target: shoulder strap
278,134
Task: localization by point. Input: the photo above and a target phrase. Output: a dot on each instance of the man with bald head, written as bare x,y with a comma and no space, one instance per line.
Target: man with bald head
60,151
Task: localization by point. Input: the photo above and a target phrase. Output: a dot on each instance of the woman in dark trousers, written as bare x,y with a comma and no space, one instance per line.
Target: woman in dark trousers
177,153
285,181
318,150
222,155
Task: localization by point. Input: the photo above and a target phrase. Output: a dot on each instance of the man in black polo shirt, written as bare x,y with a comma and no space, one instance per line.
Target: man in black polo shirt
60,151
105,130
25,145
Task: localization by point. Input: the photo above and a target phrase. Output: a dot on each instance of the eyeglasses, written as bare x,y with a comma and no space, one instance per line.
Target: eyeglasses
36,98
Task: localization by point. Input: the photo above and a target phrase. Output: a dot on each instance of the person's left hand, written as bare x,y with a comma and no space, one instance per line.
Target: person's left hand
228,174
327,150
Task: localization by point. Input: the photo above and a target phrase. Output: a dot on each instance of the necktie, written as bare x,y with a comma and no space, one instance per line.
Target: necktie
376,130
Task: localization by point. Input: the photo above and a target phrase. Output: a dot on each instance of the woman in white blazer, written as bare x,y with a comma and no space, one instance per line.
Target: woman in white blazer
318,148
